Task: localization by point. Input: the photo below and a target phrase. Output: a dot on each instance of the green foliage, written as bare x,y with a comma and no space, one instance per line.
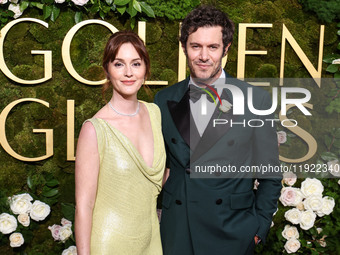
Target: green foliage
68,211
44,186
333,101
51,10
326,10
5,15
267,71
173,9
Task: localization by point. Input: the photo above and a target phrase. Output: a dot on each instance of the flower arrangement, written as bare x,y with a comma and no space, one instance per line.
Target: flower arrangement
309,204
62,233
22,206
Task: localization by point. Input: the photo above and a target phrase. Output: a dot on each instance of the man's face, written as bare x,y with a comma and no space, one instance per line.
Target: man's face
204,50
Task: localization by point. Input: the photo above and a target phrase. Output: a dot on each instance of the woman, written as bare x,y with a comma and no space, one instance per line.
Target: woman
120,161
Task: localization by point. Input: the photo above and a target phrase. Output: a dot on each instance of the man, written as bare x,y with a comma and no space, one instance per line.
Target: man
213,216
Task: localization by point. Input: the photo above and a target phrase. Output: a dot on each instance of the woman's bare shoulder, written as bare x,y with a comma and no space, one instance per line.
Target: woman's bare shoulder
103,113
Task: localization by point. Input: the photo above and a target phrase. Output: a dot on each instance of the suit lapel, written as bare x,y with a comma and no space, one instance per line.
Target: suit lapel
185,124
212,134
181,115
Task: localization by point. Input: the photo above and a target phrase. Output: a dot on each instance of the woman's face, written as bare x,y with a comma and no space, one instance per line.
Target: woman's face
127,71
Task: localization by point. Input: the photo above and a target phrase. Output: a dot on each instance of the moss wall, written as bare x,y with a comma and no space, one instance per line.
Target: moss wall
162,43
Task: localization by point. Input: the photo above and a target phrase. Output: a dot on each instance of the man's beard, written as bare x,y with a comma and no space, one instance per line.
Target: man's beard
205,80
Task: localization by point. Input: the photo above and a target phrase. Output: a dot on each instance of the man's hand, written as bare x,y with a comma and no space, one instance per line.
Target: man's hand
257,240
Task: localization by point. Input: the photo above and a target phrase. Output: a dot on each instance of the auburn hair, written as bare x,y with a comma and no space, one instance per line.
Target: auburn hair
111,50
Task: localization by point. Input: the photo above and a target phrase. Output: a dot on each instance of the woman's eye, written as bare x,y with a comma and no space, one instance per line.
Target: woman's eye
118,64
136,64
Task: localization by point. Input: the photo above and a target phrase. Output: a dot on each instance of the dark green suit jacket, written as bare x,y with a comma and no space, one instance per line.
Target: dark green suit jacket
219,215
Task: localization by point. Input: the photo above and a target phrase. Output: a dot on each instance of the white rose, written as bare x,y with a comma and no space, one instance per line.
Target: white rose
298,196
313,202
39,210
64,233
319,230
55,231
336,61
80,2
3,1
16,9
226,106
334,167
65,222
339,182
16,240
72,250
307,219
311,187
24,219
281,137
328,204
290,232
8,223
293,216
292,245
59,1
21,204
289,178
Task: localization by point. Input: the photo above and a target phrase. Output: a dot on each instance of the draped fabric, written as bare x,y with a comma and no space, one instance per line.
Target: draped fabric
124,216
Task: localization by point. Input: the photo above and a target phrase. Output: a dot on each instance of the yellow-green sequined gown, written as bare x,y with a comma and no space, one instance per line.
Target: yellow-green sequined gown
124,217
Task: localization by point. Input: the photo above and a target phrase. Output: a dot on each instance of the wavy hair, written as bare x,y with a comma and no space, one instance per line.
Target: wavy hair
207,16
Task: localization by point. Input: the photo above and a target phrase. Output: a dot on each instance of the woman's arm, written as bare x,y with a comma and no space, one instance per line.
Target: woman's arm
86,177
166,175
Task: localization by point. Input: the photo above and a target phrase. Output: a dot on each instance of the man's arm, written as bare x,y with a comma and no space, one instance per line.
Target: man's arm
265,151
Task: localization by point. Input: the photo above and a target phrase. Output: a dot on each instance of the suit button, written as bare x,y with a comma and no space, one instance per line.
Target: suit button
219,201
188,171
179,202
173,140
231,142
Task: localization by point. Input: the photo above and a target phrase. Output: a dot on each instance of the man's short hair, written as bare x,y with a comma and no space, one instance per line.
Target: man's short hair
207,16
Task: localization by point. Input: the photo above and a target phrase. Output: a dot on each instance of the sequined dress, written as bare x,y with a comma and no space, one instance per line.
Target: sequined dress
124,216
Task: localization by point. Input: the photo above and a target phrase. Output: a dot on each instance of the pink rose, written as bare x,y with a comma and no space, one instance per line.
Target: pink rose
289,178
288,196
281,137
65,222
55,231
